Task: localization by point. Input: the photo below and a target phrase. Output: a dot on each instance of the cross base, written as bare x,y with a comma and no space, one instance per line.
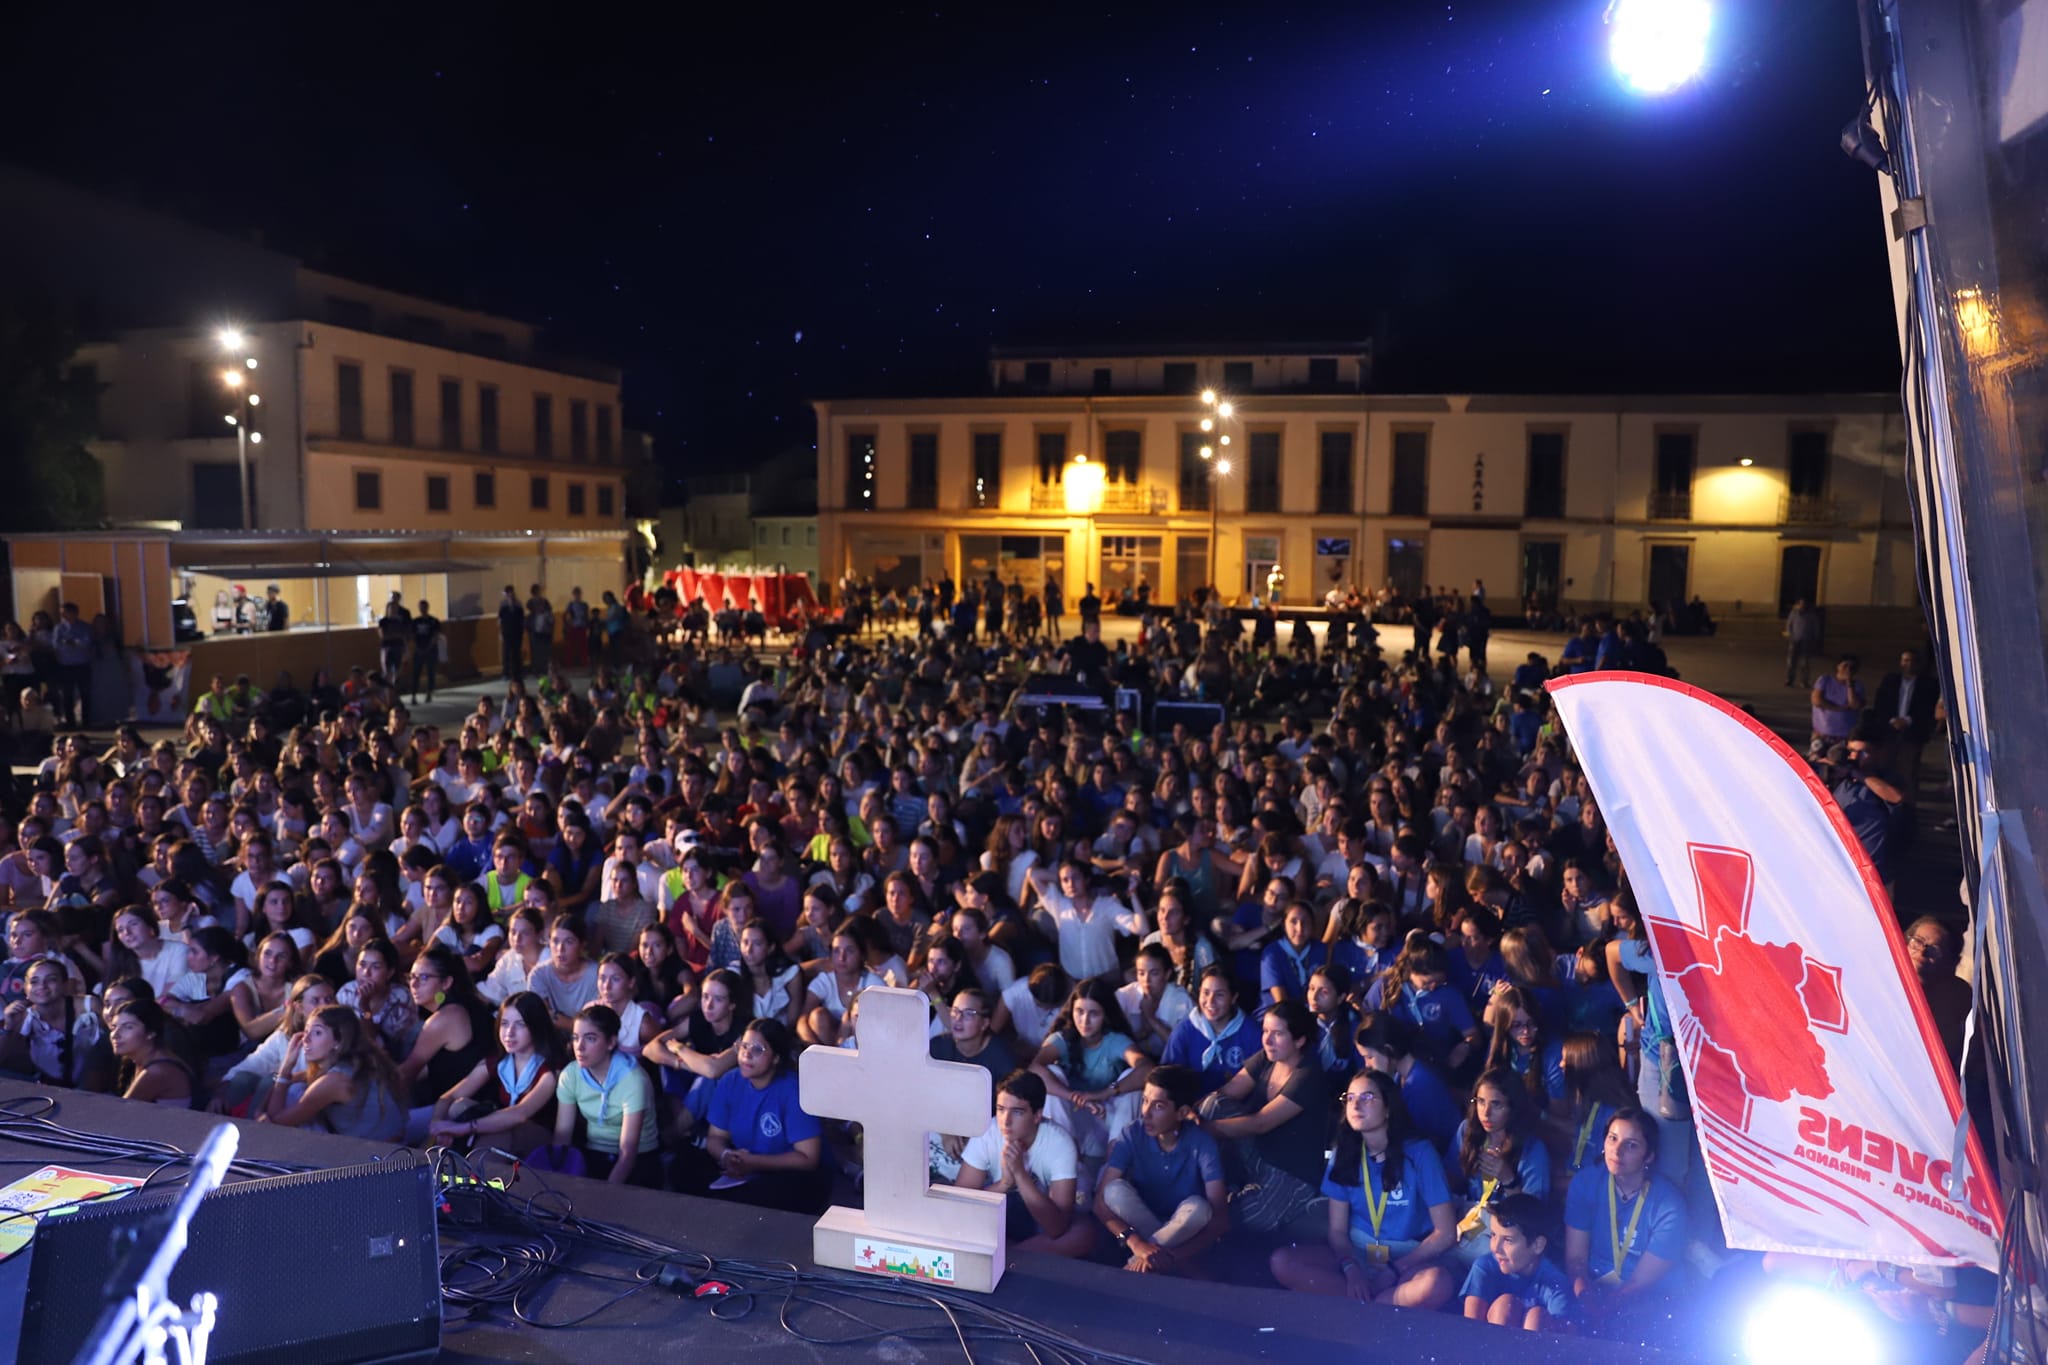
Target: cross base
844,1239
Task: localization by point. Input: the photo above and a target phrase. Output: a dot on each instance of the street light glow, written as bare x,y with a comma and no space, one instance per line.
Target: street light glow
231,338
1207,452
254,400
1658,45
1209,397
1223,440
250,362
1224,409
1223,466
255,438
1208,424
231,378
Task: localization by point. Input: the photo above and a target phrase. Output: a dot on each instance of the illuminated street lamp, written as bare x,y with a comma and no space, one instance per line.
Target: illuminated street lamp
235,379
1222,410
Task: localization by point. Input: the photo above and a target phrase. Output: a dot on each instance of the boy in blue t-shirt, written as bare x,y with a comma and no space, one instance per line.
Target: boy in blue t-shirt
1515,1286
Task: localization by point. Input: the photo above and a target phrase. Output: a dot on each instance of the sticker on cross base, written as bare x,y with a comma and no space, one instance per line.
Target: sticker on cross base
891,1258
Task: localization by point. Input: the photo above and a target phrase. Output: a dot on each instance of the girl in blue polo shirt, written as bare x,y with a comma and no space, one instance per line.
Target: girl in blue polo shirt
1218,1038
1426,999
1522,1044
1624,1226
1391,1220
1290,960
1497,1151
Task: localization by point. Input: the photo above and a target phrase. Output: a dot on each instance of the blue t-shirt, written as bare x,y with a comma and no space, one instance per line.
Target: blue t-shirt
1360,963
1659,1231
1547,1068
1531,1174
766,1122
1337,1046
1186,1046
1545,1287
1431,1104
1589,1141
1162,1178
1100,1063
1280,967
1477,983
1636,956
1442,1015
467,859
1406,1216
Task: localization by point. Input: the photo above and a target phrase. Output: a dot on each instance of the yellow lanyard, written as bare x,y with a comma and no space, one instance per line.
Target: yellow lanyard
1486,1193
1621,1247
1375,1209
1585,1136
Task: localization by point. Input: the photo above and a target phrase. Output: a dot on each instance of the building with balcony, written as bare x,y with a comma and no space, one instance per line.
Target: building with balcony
391,442
1603,501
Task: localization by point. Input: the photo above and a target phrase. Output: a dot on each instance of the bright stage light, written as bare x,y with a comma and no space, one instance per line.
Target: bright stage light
1798,1324
1658,45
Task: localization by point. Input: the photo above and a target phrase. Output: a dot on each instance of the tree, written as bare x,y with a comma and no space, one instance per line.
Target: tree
49,410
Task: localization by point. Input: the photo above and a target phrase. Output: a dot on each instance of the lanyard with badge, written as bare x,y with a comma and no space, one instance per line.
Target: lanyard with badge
1375,1209
1585,1136
1622,1246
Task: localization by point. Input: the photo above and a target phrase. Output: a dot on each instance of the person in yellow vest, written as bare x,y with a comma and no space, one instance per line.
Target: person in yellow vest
215,703
505,884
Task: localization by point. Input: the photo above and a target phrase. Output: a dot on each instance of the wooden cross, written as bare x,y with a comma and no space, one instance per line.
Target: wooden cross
892,1087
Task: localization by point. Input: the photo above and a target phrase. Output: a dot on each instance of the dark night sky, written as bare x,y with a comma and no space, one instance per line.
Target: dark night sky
746,209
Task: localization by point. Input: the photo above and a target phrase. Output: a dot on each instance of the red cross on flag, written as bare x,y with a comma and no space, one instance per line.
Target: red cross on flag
1822,1097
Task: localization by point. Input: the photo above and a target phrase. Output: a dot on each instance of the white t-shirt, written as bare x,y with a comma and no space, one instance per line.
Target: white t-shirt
166,967
1032,1020
1052,1157
1088,942
997,971
824,989
1175,1004
780,991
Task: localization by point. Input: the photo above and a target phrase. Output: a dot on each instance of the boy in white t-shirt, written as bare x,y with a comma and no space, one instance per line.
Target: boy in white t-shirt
1036,1164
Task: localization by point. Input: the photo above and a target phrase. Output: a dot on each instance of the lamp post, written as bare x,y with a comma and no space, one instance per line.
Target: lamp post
1219,411
239,379
1083,485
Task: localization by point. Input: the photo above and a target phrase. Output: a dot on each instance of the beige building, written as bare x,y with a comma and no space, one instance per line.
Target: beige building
1092,467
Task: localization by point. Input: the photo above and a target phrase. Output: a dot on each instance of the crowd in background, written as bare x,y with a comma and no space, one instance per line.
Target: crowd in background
1335,974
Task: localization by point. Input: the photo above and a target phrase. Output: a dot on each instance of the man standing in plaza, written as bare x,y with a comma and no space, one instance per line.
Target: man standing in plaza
1802,639
511,631
426,651
540,627
71,643
1905,706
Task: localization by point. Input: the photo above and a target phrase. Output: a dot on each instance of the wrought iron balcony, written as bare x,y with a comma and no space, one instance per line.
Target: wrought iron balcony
1671,504
1809,509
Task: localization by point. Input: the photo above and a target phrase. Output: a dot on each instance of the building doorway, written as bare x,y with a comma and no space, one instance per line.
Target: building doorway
1126,562
1407,561
1261,553
1670,575
1798,576
1542,574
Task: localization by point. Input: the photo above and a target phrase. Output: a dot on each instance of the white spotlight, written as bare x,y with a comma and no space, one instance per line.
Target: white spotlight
1658,45
1797,1324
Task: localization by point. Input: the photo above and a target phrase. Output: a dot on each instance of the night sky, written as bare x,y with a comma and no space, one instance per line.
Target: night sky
746,209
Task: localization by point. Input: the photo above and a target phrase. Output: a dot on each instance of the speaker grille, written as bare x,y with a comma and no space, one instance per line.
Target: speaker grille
334,1267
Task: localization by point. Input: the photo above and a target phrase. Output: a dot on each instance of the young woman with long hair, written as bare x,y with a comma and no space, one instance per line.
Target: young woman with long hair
153,1069
455,1036
1497,1150
1522,1043
1595,1090
336,1077
509,1099
248,1078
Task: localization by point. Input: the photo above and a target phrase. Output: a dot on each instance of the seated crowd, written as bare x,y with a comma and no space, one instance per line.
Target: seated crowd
1365,993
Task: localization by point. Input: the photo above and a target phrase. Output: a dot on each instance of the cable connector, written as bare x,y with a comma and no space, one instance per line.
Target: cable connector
673,1276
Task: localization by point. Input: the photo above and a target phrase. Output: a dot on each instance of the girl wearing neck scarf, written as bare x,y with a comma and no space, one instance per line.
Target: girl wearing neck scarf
607,1087
1218,1038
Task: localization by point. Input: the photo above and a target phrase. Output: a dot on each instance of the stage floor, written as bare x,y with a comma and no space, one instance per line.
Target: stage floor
1160,1319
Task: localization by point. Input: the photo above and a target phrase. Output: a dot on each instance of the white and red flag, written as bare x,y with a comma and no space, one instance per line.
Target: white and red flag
1824,1101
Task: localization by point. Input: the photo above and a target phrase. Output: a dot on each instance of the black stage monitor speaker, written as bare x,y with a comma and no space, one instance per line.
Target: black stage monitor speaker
326,1268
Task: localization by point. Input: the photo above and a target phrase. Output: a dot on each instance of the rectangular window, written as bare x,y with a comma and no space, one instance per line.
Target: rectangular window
401,408
348,400
604,433
1322,373
537,493
486,490
1806,469
543,427
1194,473
1181,376
1052,456
1123,455
437,492
607,501
1102,379
987,488
1333,473
487,419
861,471
451,414
579,429
1237,376
924,470
1544,495
369,491
1409,496
1671,499
1038,375
576,498
1262,477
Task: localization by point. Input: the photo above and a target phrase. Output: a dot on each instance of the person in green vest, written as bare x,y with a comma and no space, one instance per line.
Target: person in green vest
505,884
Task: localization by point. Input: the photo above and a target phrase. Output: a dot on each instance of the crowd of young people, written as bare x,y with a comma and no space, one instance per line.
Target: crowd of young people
1351,976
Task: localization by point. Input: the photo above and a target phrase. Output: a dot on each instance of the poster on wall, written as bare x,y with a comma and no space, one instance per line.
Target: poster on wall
160,681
